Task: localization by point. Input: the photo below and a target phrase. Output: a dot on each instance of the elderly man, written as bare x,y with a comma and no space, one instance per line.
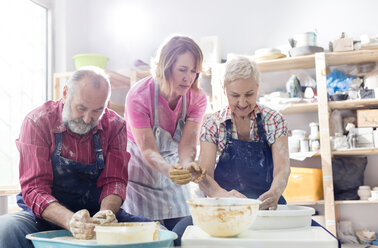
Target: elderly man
73,164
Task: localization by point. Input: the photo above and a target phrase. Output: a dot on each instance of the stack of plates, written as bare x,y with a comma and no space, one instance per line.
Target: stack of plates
268,53
305,50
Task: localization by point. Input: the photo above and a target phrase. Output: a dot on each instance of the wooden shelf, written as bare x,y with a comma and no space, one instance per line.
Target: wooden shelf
353,104
355,202
356,151
351,57
297,108
308,61
320,202
291,63
9,190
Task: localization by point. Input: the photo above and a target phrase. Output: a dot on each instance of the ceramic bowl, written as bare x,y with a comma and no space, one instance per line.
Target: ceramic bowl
129,232
223,217
339,97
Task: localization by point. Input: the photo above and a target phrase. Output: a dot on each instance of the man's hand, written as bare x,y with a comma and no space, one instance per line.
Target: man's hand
104,217
198,173
81,225
178,175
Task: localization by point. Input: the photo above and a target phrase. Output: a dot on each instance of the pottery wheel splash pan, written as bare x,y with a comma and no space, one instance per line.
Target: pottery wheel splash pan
63,239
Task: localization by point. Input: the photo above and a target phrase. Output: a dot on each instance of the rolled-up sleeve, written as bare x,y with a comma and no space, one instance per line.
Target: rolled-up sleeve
113,179
209,130
36,174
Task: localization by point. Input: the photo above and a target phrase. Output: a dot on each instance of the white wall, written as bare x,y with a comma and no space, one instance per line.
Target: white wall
126,30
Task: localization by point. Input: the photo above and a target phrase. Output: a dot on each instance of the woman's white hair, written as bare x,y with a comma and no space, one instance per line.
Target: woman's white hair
241,67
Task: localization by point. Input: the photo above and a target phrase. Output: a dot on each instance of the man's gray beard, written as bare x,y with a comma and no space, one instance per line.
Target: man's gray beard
77,126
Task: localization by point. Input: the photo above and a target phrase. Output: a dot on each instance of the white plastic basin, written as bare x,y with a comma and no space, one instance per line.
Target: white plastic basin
286,216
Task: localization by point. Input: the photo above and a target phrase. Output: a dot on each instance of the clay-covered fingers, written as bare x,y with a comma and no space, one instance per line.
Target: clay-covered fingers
264,205
81,225
198,173
104,217
268,201
178,175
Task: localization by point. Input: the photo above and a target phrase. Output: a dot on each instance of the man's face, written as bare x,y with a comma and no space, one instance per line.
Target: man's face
84,107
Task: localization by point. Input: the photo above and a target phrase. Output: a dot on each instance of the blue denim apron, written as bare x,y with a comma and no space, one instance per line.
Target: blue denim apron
75,183
246,166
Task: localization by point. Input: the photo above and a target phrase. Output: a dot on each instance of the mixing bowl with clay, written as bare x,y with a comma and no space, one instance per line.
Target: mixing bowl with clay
223,217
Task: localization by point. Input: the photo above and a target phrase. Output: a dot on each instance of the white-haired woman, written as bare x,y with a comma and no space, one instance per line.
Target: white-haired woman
252,141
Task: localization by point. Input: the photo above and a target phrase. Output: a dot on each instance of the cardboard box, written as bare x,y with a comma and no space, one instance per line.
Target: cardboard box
367,117
305,184
344,44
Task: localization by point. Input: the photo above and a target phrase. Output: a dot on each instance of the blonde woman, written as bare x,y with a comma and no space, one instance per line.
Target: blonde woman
164,113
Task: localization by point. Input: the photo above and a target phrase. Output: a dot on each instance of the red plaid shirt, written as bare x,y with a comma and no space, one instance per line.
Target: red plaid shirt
36,145
214,128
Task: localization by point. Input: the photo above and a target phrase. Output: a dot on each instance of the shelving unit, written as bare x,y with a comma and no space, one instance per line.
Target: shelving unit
320,61
321,202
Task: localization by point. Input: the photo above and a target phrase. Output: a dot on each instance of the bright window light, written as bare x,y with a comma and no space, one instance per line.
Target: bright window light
23,70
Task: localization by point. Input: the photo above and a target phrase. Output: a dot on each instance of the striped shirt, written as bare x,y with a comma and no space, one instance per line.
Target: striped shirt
214,128
36,145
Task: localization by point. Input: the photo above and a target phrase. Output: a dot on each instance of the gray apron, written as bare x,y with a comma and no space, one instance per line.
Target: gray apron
150,193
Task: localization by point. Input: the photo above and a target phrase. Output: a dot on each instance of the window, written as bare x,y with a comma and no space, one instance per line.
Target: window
23,75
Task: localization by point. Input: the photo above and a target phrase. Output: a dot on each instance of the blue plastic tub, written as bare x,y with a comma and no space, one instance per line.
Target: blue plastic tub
46,240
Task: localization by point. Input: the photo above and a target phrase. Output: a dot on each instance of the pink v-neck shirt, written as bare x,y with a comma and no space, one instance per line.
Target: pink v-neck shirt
139,109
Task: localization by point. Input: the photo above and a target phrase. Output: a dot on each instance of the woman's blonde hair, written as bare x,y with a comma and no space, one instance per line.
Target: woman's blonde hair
241,67
167,55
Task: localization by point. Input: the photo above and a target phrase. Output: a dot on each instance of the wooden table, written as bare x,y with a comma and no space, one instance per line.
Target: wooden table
6,191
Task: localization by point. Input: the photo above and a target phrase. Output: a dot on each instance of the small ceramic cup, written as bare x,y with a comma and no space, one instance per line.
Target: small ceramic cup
374,194
364,192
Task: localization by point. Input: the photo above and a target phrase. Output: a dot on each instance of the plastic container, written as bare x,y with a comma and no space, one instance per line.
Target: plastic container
305,184
130,232
223,217
286,216
90,59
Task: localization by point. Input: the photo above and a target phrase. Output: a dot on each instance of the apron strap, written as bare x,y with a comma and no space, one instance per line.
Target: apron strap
260,128
156,98
58,144
156,112
98,151
97,148
183,114
228,131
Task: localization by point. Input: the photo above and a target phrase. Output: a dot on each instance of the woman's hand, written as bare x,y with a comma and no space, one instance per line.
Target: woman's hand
270,199
231,193
81,225
198,173
179,175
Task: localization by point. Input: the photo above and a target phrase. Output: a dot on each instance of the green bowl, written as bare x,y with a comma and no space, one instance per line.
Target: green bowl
90,59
